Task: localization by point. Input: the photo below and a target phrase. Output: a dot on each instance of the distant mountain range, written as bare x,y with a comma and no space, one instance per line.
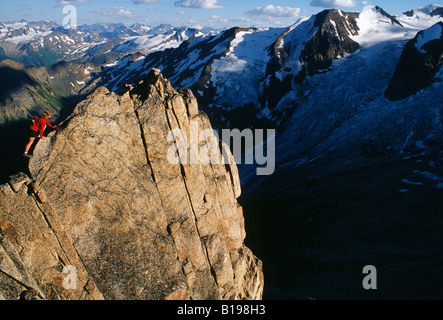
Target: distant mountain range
45,42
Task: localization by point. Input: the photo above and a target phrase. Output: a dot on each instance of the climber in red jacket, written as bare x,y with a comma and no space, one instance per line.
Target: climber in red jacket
37,128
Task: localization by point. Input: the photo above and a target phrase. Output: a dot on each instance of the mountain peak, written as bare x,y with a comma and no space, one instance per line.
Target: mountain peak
144,228
344,23
387,15
432,10
332,39
431,13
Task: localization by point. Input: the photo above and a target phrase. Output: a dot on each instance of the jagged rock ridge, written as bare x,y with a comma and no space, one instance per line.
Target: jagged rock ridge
103,198
420,61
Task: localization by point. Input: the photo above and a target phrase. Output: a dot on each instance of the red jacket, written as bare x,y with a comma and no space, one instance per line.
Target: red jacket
39,125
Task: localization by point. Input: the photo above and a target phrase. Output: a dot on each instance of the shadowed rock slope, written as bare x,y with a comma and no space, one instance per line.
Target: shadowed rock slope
421,60
102,197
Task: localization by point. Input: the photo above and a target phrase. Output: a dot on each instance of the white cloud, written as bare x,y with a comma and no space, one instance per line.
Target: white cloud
243,19
143,1
200,4
275,11
62,3
116,12
217,19
333,3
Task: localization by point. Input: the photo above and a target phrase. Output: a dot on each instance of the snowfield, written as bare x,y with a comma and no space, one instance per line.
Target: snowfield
376,28
236,76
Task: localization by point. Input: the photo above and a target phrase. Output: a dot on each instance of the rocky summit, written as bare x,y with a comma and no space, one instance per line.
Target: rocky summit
101,202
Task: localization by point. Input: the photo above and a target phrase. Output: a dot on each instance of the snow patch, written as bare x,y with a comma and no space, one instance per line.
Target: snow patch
113,64
31,36
376,27
421,18
243,65
428,35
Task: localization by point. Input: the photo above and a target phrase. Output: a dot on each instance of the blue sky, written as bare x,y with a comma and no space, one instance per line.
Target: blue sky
214,13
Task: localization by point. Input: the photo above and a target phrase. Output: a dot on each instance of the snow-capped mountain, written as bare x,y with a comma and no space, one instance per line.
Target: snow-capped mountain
344,111
45,43
22,30
154,41
423,17
261,74
343,115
